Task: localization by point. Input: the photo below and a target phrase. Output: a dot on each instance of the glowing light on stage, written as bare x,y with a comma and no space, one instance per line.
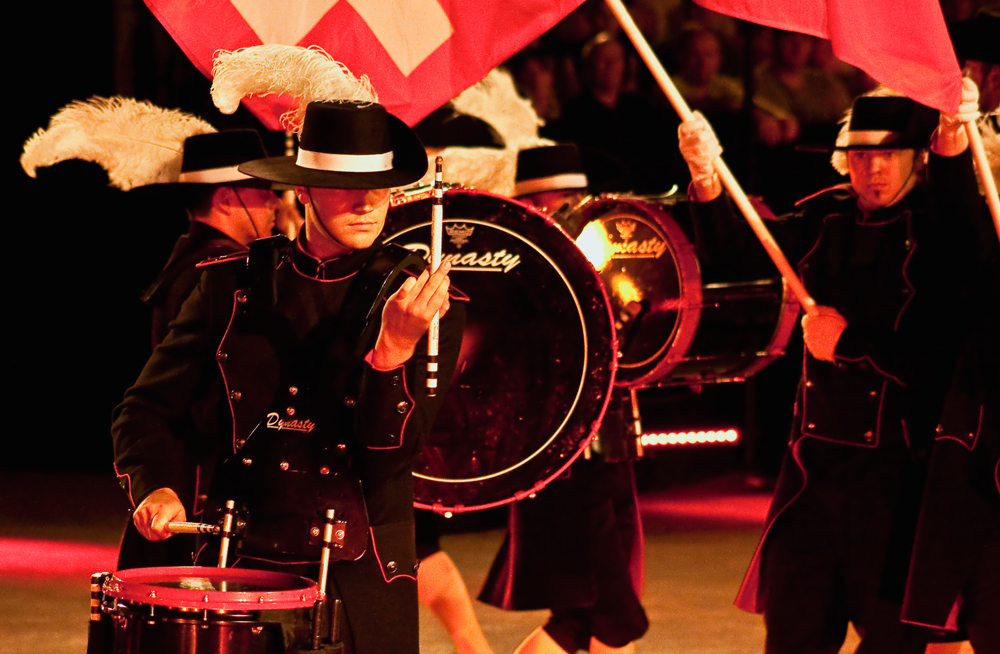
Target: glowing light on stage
701,437
593,241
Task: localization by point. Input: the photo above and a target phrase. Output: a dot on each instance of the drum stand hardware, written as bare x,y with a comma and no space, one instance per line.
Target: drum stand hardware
333,643
99,631
227,532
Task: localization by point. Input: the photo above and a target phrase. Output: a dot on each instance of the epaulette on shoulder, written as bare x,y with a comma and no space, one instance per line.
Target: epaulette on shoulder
225,258
837,193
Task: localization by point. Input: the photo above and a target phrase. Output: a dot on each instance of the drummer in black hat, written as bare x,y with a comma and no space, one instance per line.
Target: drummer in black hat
883,256
322,387
227,211
551,178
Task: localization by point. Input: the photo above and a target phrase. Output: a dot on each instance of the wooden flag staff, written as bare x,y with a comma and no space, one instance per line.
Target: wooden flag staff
728,181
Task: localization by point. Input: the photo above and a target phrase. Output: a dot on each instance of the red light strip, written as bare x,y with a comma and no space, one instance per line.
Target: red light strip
700,437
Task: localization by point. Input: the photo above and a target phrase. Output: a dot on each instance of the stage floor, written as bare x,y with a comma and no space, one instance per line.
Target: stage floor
56,529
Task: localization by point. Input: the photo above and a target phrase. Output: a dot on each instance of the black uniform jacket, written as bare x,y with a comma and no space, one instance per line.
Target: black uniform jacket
960,514
276,346
180,274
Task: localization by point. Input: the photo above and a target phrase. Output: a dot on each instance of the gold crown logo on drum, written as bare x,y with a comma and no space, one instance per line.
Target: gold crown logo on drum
625,228
459,234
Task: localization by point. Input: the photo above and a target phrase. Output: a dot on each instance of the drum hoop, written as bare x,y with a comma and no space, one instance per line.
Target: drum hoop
138,585
586,352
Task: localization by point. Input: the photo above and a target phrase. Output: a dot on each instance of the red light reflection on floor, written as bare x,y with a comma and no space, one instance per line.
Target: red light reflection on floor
728,510
51,558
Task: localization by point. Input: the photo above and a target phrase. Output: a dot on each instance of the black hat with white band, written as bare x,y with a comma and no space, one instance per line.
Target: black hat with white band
887,123
549,168
348,145
214,158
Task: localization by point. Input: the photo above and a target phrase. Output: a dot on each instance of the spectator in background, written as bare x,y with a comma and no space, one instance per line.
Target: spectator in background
810,97
622,139
699,80
793,103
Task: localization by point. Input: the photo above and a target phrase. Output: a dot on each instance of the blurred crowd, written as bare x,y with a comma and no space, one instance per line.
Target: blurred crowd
766,93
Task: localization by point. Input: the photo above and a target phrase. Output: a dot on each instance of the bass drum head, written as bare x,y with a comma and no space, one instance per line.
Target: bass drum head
690,310
538,352
651,274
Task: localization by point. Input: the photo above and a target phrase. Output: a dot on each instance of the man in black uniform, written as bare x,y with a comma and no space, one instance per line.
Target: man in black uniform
227,210
576,547
954,581
321,402
882,256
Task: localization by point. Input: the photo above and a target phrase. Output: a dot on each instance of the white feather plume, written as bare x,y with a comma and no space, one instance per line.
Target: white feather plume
494,100
137,143
306,74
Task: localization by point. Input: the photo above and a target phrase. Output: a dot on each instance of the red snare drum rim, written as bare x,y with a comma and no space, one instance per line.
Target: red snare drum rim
140,585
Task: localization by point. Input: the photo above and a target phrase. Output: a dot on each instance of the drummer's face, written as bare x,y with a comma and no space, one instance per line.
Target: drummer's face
352,217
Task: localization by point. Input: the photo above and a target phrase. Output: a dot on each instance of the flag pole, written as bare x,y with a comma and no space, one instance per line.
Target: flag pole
728,181
985,174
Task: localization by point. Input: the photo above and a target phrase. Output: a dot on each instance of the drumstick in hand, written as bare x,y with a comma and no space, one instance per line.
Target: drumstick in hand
437,221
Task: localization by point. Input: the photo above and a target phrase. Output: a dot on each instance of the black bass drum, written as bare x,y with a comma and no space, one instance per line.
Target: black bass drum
683,320
538,353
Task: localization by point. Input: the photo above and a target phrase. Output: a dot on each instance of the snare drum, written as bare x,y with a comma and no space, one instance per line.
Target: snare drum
680,323
201,610
538,352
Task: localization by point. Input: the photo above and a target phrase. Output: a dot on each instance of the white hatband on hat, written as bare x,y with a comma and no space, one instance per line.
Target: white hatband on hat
212,176
563,182
344,163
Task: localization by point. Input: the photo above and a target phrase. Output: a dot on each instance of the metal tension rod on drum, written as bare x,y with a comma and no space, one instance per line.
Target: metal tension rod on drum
725,175
437,222
324,569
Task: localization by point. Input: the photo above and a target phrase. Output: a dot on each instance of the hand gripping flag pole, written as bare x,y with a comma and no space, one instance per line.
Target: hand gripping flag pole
730,183
437,222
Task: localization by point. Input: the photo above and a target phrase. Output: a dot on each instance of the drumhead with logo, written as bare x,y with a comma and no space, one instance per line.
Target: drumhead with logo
538,351
690,311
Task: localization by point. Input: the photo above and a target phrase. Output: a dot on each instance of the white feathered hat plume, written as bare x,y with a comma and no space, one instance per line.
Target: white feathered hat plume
495,100
137,143
306,74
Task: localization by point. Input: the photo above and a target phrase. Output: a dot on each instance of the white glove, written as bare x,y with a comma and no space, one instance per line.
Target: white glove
968,108
822,330
699,146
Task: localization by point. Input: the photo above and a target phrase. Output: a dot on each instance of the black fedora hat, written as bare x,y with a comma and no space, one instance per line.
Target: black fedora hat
445,127
213,159
348,145
549,168
887,123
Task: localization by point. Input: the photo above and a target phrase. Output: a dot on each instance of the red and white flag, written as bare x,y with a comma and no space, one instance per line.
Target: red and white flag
904,45
418,53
